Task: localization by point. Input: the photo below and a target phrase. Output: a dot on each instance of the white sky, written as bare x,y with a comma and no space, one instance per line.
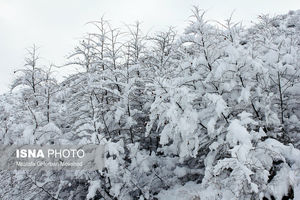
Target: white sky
56,25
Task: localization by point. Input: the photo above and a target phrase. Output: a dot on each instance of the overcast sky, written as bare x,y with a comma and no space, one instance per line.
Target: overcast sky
56,25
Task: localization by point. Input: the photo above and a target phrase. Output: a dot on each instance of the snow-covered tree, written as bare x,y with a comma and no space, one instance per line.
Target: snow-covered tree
212,113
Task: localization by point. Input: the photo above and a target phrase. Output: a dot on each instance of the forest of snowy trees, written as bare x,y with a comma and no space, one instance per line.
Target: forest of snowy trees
212,113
